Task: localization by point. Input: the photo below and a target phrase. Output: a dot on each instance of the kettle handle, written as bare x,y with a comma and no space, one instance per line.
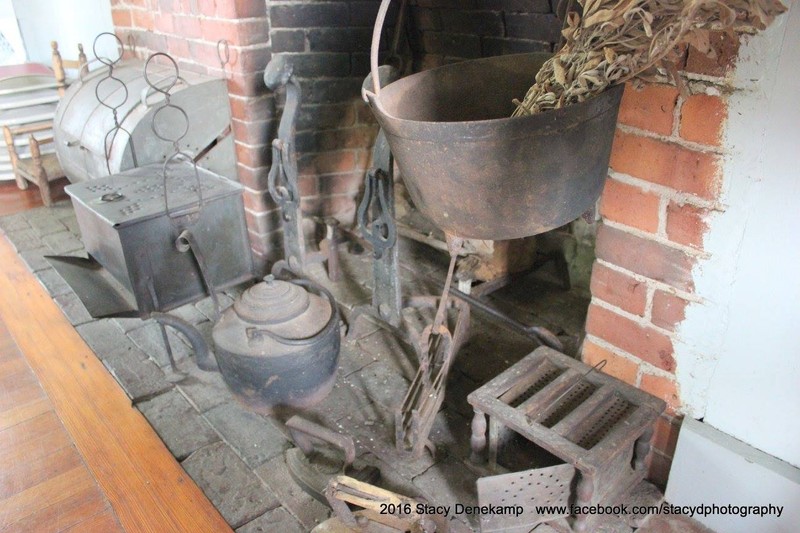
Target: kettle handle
254,332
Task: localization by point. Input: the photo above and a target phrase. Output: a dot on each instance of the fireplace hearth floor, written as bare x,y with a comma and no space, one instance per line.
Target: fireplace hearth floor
236,456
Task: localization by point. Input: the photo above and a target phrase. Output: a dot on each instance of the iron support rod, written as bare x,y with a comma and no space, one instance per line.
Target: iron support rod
539,334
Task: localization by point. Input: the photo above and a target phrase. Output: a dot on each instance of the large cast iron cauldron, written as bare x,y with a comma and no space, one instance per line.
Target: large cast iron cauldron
277,345
475,171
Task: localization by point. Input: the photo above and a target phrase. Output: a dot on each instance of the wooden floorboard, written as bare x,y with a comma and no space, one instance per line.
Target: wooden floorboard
45,486
29,473
18,509
104,522
22,412
14,200
31,440
82,503
147,489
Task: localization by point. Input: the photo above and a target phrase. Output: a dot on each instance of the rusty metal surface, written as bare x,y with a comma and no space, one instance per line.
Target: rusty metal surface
290,364
478,173
523,492
301,429
594,422
286,355
313,469
375,218
415,416
282,180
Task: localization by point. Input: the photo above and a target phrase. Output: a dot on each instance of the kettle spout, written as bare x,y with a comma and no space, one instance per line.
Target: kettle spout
203,356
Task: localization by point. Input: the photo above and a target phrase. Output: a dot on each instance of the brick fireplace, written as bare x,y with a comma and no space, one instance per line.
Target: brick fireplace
328,44
664,181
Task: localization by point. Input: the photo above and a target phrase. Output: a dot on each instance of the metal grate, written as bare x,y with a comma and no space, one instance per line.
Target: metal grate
545,379
576,396
527,489
590,435
571,419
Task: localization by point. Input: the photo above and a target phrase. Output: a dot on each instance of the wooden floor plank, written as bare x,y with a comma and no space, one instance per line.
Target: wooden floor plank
14,200
147,488
13,369
56,513
25,474
21,413
20,396
31,440
105,522
17,508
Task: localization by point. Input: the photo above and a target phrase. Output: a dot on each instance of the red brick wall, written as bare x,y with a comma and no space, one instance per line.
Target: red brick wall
189,31
444,31
328,43
663,183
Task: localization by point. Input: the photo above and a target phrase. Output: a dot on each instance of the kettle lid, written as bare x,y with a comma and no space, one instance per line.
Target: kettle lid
272,302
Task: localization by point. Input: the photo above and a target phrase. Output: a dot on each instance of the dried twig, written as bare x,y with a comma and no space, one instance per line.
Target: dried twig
617,40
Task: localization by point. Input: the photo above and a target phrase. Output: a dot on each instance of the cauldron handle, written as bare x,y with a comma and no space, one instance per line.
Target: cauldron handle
376,43
253,332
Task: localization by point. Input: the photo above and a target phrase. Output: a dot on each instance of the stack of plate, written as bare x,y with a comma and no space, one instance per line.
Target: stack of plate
28,94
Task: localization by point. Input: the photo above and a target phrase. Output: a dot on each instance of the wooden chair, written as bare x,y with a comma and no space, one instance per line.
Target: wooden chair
39,166
36,168
60,65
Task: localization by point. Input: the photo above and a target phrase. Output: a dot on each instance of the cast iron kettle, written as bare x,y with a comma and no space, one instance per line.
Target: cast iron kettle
277,345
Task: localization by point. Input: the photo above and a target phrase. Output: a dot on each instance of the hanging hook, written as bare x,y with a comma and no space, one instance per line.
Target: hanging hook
224,56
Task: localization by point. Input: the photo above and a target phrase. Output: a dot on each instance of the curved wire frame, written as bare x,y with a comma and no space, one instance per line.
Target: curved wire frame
163,127
107,99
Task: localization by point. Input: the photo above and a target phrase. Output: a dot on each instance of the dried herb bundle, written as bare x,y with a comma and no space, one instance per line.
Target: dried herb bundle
617,40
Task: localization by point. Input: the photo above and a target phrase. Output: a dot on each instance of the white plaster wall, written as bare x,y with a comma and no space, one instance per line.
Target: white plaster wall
12,51
67,21
711,467
738,363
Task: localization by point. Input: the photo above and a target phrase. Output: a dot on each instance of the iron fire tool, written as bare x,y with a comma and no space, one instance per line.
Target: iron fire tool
436,345
282,181
311,468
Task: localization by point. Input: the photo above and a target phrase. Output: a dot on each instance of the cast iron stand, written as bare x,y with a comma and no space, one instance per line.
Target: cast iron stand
282,181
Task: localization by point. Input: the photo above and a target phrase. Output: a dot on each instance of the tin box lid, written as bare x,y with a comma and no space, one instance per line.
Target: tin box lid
138,194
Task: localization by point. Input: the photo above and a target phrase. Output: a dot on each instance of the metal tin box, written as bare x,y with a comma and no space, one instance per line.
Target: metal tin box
131,229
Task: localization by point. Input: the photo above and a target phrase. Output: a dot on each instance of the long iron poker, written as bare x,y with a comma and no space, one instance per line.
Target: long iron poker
537,333
439,328
454,246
